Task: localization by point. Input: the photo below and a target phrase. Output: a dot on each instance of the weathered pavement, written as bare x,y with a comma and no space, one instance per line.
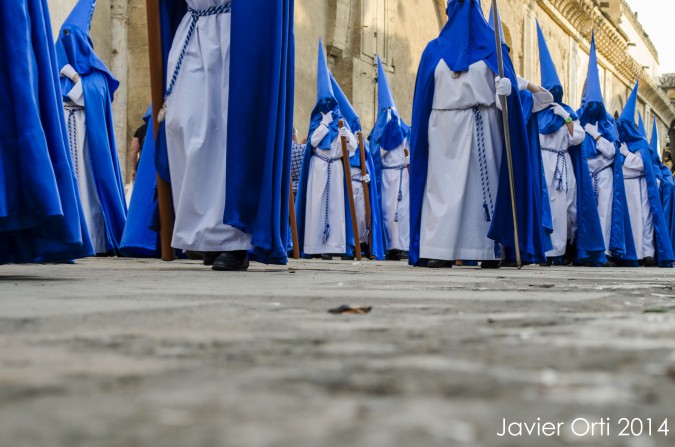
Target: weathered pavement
119,352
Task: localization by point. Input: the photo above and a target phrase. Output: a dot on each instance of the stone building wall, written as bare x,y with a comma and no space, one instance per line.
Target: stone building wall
355,30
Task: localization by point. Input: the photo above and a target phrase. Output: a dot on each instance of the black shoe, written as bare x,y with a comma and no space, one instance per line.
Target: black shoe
347,257
490,264
393,255
327,257
438,264
650,262
210,257
231,261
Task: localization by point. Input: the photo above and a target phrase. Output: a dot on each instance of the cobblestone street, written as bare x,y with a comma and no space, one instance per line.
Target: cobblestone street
126,353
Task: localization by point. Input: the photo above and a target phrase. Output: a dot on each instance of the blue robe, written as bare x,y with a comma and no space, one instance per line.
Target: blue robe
139,238
74,47
40,214
464,40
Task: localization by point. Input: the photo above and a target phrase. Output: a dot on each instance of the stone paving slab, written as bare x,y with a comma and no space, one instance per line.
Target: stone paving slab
122,352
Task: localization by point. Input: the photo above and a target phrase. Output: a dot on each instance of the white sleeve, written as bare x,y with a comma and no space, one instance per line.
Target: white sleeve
578,135
76,94
318,135
606,148
542,100
634,162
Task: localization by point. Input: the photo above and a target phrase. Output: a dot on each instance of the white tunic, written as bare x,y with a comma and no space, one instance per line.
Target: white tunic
81,158
602,174
325,200
196,133
562,185
395,186
360,204
641,219
465,150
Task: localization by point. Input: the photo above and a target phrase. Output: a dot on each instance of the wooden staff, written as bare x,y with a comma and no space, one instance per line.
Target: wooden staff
164,198
350,192
407,166
294,223
366,196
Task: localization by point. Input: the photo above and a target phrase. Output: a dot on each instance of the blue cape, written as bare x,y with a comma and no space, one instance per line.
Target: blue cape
40,214
74,47
139,239
466,39
354,123
667,192
637,143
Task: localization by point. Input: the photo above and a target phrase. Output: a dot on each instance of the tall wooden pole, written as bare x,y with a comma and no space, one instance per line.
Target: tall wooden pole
366,196
507,133
350,192
164,198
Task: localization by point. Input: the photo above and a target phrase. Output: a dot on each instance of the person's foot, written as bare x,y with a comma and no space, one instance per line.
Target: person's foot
490,264
393,255
327,257
650,262
438,264
347,257
210,257
231,261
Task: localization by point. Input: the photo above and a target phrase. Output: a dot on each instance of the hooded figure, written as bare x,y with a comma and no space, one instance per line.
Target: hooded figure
653,244
358,181
600,148
666,184
460,204
225,142
40,213
389,146
139,239
570,190
88,88
324,223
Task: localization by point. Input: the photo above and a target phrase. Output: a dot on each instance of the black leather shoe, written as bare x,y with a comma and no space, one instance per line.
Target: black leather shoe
210,257
490,264
347,257
327,257
231,261
393,255
650,262
438,264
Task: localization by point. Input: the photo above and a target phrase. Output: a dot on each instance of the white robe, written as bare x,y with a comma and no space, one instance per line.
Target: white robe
564,201
80,155
602,174
315,208
360,204
454,224
395,181
196,133
641,218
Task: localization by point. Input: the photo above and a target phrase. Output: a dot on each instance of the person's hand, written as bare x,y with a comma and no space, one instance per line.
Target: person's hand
327,118
592,130
344,132
69,72
560,111
366,178
503,86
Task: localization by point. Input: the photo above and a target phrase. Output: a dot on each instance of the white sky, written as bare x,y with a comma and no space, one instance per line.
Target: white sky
657,17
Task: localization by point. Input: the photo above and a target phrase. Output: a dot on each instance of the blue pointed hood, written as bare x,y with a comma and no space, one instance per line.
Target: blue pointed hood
75,47
324,90
384,98
593,88
654,143
549,75
641,125
346,108
628,113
